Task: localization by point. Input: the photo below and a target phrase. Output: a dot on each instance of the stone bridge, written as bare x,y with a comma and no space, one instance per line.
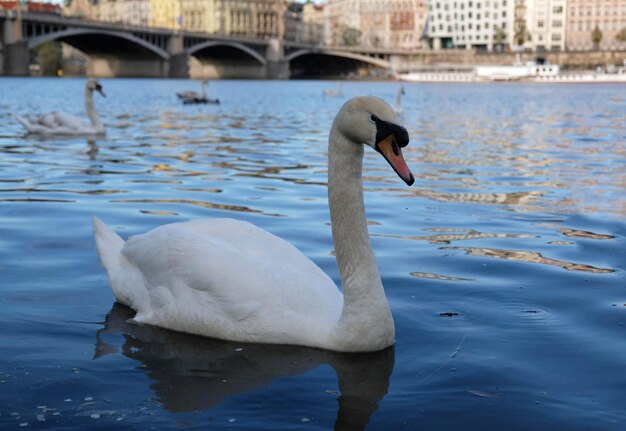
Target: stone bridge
116,49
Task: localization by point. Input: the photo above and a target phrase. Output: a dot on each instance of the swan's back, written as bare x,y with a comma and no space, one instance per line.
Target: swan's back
222,278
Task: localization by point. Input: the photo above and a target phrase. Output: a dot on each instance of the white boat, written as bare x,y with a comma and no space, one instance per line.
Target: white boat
529,72
443,73
516,72
436,77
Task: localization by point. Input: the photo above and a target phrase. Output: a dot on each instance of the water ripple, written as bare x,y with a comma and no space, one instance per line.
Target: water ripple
504,263
529,257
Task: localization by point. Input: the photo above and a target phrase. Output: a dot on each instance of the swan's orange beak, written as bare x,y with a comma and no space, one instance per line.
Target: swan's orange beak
392,152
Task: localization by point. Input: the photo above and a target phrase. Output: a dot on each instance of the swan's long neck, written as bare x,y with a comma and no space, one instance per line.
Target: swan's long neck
91,111
204,89
365,317
399,99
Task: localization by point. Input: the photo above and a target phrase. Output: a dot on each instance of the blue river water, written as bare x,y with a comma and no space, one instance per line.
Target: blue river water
504,263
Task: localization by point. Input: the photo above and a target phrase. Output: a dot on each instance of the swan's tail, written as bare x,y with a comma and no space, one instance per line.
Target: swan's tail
24,121
122,273
109,245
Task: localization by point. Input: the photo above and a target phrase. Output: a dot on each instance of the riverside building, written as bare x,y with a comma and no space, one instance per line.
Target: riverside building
471,24
584,16
545,24
376,24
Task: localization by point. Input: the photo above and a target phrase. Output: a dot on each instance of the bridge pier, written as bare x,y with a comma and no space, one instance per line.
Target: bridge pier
277,66
15,54
277,70
16,59
178,66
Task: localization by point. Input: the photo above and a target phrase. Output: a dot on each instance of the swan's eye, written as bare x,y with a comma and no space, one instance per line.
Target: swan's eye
374,118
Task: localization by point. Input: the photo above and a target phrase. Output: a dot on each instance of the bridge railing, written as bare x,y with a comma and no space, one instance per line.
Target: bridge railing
75,21
86,22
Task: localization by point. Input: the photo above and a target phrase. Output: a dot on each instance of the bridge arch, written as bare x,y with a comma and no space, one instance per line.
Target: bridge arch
211,43
349,55
72,32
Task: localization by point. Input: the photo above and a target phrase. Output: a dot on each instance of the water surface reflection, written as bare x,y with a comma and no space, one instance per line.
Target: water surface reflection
192,373
503,264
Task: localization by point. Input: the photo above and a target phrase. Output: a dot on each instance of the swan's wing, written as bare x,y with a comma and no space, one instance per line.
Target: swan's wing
48,120
24,121
42,124
54,123
232,267
69,121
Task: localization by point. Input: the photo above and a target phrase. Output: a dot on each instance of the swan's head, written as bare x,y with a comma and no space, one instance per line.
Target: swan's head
371,121
94,84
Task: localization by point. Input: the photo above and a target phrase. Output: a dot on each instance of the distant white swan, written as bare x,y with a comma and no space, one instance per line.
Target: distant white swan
399,99
229,279
60,123
338,92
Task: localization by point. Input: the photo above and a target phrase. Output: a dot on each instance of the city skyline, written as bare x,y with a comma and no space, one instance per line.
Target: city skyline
483,25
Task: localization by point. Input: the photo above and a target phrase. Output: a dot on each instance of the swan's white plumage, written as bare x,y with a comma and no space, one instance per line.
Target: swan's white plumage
61,123
229,279
220,278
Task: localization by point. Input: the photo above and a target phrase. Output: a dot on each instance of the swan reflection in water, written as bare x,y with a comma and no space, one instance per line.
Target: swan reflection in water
194,373
92,149
44,141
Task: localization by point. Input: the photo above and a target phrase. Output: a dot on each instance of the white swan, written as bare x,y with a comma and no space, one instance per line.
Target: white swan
60,123
399,100
338,92
229,279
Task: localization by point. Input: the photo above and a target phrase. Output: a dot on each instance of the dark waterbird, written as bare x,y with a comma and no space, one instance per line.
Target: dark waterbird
194,98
